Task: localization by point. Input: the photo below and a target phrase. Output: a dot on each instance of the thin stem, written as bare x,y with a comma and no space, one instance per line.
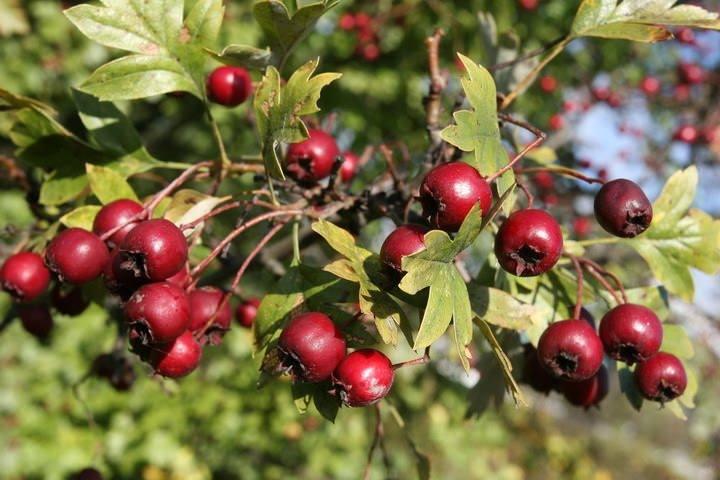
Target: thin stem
580,286
212,213
568,172
415,361
540,138
526,56
224,161
296,240
376,440
597,241
600,278
607,273
530,197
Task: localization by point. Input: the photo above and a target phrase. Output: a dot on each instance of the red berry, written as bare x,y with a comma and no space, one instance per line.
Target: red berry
117,280
631,333
311,346
347,21
661,378
69,301
548,84
36,320
544,180
246,312
88,474
24,276
113,215
682,93
557,122
349,166
581,227
448,193
363,21
158,312
312,160
691,73
177,358
370,52
601,94
650,86
529,243
622,208
229,86
363,378
529,5
205,303
534,374
614,100
687,134
76,256
153,251
182,278
587,393
570,350
403,241
685,35
709,135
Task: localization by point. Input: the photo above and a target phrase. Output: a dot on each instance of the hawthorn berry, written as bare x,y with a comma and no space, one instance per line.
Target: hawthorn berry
685,35
207,305
181,278
650,86
347,21
581,227
77,256
88,474
229,86
112,216
570,350
177,358
403,241
246,312
118,281
116,368
529,5
363,378
622,208
534,374
587,393
448,193
548,83
24,276
152,251
691,74
310,347
36,320
631,333
661,378
158,312
528,243
556,122
349,166
312,160
687,134
68,301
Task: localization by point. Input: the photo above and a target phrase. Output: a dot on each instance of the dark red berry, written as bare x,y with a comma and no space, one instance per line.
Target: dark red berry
650,86
229,86
118,281
69,300
349,166
448,193
581,227
24,276
687,134
685,35
312,159
544,180
363,378
112,216
370,52
570,350
534,374
77,256
529,5
403,241
631,333
310,347
529,243
206,313
177,358
153,251
158,312
182,278
363,21
681,92
246,312
116,368
36,320
347,21
88,474
661,378
622,208
691,73
587,393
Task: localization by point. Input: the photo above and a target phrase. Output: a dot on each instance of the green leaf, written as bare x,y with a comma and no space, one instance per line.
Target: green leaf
204,20
16,102
477,130
63,185
505,364
81,217
13,20
501,309
687,399
108,185
629,388
252,58
189,205
638,20
677,342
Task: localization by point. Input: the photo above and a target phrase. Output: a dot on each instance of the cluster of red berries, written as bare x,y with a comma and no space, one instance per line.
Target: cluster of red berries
368,42
315,159
312,349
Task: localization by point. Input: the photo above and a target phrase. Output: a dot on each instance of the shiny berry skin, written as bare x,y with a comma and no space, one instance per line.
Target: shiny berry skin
229,86
631,333
448,193
311,346
363,378
534,374
529,243
182,278
246,312
177,358
68,301
349,166
312,160
36,320
88,474
205,303
113,215
661,378
570,350
403,241
24,276
159,312
548,84
623,209
687,134
77,256
587,393
691,73
650,86
153,251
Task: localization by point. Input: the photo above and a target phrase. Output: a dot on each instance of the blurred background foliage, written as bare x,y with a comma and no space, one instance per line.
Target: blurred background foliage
216,423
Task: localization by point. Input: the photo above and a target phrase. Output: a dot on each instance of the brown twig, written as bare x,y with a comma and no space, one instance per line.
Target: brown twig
211,214
601,279
540,138
379,432
580,285
612,276
433,103
568,172
527,56
415,361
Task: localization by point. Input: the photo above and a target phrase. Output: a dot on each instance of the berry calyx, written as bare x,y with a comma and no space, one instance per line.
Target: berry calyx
112,216
206,313
448,193
177,358
229,86
403,241
310,347
36,320
312,160
661,378
622,208
24,276
349,166
246,312
570,350
68,301
631,333
158,312
363,378
76,256
528,243
587,393
152,251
